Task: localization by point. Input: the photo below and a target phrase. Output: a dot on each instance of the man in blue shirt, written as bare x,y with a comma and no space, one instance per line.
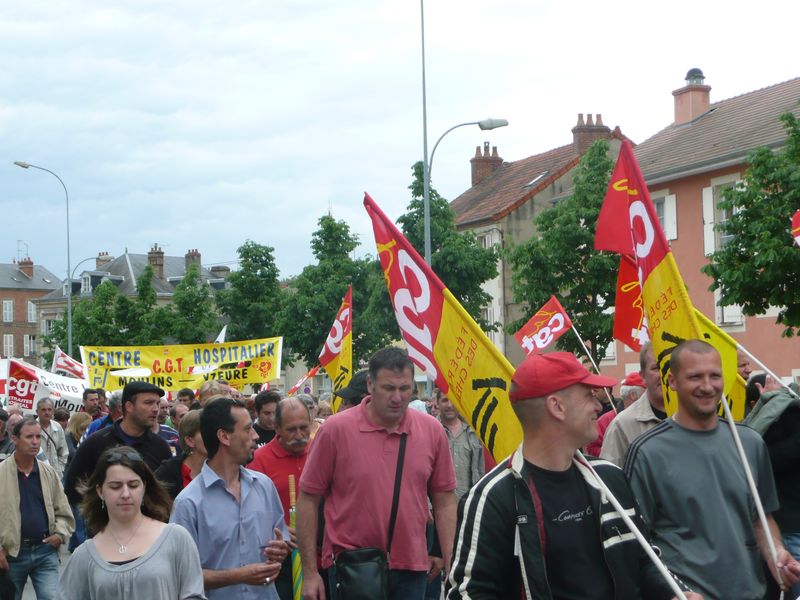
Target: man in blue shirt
234,514
36,519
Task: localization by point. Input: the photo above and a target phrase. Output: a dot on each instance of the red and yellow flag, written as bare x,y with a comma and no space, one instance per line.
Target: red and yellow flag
548,324
630,324
445,342
628,224
336,356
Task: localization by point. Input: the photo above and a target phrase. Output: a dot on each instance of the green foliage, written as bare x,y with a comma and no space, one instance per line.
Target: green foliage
317,293
191,316
109,318
456,258
254,299
760,266
561,259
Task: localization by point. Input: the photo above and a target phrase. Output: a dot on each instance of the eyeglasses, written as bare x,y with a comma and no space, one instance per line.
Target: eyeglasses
119,455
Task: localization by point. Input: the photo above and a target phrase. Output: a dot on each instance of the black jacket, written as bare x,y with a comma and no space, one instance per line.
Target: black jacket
153,449
783,443
171,475
497,539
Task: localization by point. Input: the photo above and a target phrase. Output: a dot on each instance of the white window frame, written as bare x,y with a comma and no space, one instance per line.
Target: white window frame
28,345
8,345
668,203
8,311
31,311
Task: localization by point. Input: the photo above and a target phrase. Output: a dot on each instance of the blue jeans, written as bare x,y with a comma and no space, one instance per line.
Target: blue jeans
403,585
792,543
40,563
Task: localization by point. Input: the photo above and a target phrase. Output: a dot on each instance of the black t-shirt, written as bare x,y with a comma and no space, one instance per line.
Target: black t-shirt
264,435
576,567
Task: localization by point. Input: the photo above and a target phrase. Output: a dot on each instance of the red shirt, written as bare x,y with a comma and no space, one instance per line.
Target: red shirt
593,448
353,464
276,463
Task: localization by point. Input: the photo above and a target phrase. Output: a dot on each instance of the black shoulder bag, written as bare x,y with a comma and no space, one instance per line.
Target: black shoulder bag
363,573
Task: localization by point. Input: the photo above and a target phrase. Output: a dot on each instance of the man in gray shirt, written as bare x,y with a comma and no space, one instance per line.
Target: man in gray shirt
692,490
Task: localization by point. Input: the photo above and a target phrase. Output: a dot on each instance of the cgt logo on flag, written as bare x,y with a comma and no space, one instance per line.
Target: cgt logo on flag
64,363
796,227
548,324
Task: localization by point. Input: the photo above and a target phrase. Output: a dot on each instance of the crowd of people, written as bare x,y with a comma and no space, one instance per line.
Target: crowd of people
217,495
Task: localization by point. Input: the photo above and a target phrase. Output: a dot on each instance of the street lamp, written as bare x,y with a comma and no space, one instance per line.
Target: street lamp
25,165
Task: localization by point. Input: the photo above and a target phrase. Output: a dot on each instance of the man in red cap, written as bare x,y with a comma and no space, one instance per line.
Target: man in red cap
631,390
538,525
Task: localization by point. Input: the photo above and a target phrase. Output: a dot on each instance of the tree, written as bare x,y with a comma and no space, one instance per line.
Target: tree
317,293
456,258
760,266
192,319
254,299
561,260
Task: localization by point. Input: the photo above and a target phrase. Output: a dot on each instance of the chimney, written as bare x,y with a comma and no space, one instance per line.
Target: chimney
103,258
192,258
220,271
156,259
693,99
26,266
484,165
586,132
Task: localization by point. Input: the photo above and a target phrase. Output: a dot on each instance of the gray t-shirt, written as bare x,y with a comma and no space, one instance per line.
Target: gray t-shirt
169,570
693,494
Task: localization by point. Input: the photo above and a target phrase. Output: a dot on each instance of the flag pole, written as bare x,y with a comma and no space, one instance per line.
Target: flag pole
753,490
766,369
297,568
596,369
633,529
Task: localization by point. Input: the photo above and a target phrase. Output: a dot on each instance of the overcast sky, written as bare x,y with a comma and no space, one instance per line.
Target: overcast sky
201,124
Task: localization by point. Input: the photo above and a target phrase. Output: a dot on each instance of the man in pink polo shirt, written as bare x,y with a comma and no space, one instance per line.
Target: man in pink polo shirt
352,465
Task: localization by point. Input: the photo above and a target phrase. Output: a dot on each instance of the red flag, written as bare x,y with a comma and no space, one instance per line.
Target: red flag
65,363
22,384
630,322
445,341
548,324
796,227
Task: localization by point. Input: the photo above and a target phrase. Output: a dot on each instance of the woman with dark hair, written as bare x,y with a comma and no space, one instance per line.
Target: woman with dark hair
134,553
176,472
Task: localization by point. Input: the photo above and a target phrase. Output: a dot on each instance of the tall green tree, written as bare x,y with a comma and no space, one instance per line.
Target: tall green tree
760,266
254,299
456,258
561,260
192,318
316,294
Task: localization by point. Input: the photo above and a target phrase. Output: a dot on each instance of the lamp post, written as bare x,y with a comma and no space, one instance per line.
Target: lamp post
485,124
25,165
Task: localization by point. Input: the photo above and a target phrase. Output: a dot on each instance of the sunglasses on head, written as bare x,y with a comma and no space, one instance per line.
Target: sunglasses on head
119,455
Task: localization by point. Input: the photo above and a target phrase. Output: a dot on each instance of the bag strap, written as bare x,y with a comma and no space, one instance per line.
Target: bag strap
398,478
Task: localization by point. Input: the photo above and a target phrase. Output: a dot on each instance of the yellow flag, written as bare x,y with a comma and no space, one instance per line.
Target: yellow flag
336,356
628,224
444,341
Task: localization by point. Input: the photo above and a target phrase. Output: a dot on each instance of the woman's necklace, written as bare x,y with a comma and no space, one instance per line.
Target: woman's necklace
123,548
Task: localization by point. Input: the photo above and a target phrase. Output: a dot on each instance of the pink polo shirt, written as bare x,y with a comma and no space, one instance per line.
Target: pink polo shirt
352,463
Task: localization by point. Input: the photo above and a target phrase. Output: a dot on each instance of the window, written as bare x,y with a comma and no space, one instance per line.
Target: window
484,240
29,345
665,204
611,351
8,345
8,311
31,312
721,216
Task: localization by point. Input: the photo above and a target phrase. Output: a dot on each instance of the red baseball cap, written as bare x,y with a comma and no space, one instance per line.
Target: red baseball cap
634,379
542,374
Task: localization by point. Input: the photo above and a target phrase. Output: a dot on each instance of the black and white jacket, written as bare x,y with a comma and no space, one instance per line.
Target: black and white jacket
498,552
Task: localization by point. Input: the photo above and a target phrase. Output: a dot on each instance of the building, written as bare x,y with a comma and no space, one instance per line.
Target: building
21,285
686,165
124,271
506,197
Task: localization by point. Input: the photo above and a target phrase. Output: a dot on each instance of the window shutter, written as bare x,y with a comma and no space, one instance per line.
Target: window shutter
708,221
670,217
